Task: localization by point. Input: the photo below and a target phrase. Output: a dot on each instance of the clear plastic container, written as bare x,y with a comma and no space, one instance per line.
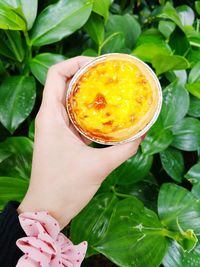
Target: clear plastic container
114,99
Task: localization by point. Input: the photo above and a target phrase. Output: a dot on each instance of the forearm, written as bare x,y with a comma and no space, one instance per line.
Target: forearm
10,231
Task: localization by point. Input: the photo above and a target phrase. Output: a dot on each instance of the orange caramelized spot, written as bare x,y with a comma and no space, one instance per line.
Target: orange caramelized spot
108,123
99,102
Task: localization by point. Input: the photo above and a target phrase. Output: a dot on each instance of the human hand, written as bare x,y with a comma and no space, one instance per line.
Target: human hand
66,172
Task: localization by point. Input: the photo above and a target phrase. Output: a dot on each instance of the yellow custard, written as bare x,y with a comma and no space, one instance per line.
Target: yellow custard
113,99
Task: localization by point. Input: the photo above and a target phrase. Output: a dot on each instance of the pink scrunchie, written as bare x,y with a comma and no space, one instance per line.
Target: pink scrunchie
44,245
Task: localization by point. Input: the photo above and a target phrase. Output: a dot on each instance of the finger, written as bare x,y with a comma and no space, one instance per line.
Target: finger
55,86
116,155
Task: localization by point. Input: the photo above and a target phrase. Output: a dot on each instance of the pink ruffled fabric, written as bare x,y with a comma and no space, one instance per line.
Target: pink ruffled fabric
44,245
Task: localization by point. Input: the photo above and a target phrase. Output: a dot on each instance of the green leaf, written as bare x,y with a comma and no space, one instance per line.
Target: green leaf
175,104
11,189
60,20
131,31
169,12
145,190
196,190
102,8
173,163
192,35
166,27
193,175
148,51
14,44
5,49
42,62
17,97
4,154
186,15
82,227
197,6
194,55
179,76
29,9
31,130
18,164
194,89
187,134
194,75
134,236
10,18
178,209
134,169
179,42
157,139
114,43
194,109
176,257
95,28
90,53
163,63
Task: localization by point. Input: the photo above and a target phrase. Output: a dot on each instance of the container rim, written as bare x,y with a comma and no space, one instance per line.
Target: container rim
82,70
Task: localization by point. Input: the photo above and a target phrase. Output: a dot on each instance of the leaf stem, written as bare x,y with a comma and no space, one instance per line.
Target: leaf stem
119,194
28,55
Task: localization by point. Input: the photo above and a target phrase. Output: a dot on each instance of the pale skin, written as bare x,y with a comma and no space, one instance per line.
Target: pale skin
66,172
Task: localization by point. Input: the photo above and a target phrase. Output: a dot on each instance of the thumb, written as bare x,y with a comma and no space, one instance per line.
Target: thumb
113,156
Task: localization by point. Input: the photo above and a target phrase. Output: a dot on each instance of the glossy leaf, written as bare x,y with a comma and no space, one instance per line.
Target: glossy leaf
178,42
14,43
60,20
175,104
187,134
179,76
197,6
193,175
134,169
169,12
29,9
10,18
131,31
163,63
83,228
178,208
196,190
31,130
42,62
102,8
176,257
18,164
114,43
134,236
173,163
166,27
186,15
194,75
17,97
11,189
95,28
148,51
194,89
145,190
6,49
194,109
157,139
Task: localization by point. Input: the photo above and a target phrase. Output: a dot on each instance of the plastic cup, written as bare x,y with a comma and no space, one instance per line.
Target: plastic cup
114,99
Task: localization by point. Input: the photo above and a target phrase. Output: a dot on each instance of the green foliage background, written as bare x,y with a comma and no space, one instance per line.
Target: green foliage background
147,212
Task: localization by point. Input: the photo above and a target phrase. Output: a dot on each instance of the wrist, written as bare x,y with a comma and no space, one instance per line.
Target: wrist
32,204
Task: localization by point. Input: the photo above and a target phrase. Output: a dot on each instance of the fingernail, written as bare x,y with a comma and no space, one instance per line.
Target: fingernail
143,136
